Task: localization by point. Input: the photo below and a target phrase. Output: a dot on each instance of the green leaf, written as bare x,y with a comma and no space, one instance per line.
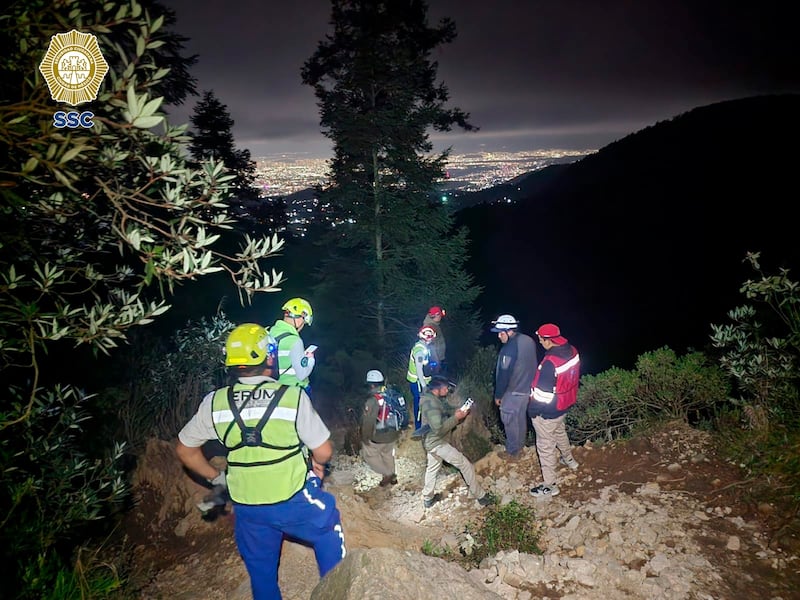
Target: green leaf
147,122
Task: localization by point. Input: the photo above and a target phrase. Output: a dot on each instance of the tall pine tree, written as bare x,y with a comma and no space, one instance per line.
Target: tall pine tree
395,251
213,138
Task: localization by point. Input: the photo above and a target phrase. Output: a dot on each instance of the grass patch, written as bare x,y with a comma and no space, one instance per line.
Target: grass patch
511,526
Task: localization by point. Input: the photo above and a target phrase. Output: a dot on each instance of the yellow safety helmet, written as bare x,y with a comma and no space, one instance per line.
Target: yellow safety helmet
248,345
299,307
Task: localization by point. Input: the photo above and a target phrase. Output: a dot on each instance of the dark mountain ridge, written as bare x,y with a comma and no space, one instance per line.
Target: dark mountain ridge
641,243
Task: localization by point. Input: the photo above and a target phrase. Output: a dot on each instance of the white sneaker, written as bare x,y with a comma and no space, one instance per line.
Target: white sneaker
545,491
571,463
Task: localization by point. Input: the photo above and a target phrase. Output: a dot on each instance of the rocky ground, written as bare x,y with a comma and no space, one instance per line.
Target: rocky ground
659,516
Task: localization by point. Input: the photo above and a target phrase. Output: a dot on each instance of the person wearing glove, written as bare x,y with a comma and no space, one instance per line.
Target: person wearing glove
217,497
270,431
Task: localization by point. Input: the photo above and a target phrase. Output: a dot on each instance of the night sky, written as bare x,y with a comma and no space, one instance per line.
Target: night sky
533,75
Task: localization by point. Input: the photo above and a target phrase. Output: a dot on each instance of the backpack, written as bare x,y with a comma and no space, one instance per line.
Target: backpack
393,413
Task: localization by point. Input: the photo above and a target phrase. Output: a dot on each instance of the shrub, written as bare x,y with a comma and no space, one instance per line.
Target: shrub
166,380
663,386
606,407
674,387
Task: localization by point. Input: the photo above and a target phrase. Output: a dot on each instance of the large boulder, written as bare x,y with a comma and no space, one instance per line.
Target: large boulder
391,574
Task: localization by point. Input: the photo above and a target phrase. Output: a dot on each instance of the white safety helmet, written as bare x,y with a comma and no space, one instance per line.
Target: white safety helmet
504,323
374,376
426,333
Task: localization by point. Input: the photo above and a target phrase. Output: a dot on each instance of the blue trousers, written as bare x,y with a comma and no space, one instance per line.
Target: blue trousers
310,517
415,395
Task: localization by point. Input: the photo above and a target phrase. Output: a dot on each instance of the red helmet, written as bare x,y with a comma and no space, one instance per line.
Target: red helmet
426,333
436,310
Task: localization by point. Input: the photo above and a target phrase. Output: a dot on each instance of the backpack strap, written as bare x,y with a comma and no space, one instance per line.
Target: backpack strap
251,436
278,339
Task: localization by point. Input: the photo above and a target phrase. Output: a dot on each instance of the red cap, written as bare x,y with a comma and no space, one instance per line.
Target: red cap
436,310
551,332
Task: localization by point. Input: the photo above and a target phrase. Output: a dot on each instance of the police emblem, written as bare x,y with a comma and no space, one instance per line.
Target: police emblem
73,67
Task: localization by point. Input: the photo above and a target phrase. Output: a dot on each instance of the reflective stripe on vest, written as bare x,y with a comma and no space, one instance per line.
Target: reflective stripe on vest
567,377
257,474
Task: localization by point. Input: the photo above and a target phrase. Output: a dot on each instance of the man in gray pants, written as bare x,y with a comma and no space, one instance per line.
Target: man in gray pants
516,368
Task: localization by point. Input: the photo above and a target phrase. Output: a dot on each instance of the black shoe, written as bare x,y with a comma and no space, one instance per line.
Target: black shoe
486,500
428,502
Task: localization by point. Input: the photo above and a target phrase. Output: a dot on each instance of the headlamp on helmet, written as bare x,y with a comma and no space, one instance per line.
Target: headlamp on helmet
248,345
299,308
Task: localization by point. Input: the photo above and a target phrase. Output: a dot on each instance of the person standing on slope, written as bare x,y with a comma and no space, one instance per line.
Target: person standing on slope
295,363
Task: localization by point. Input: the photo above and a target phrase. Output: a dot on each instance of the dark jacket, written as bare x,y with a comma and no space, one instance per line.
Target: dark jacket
516,366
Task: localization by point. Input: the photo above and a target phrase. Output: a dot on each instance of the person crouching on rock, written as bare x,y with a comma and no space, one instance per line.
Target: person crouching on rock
436,414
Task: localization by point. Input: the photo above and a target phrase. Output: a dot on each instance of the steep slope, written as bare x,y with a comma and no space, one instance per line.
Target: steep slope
641,244
659,516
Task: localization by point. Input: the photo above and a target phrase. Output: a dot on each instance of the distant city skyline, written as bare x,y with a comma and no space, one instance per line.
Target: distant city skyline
532,75
285,173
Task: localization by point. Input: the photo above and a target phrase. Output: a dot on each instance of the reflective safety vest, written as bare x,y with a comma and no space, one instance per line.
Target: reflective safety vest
567,378
412,374
287,337
258,424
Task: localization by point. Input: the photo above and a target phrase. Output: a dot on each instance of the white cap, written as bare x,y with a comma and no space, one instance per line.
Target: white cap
374,376
504,323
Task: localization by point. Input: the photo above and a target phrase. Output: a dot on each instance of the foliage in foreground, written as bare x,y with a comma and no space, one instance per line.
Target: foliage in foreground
97,227
760,349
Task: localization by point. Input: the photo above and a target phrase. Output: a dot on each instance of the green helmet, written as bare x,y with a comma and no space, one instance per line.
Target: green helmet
299,307
248,345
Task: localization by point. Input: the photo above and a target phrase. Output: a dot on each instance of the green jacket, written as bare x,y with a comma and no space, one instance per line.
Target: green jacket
441,418
369,419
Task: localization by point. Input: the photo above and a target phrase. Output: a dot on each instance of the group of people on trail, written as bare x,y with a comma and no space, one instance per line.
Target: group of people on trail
278,445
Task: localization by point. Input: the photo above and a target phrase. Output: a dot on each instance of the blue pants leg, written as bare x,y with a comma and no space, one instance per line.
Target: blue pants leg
415,395
513,414
310,517
259,544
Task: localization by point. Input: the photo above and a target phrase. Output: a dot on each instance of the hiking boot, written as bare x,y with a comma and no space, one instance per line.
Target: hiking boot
388,480
571,463
428,502
545,491
486,500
